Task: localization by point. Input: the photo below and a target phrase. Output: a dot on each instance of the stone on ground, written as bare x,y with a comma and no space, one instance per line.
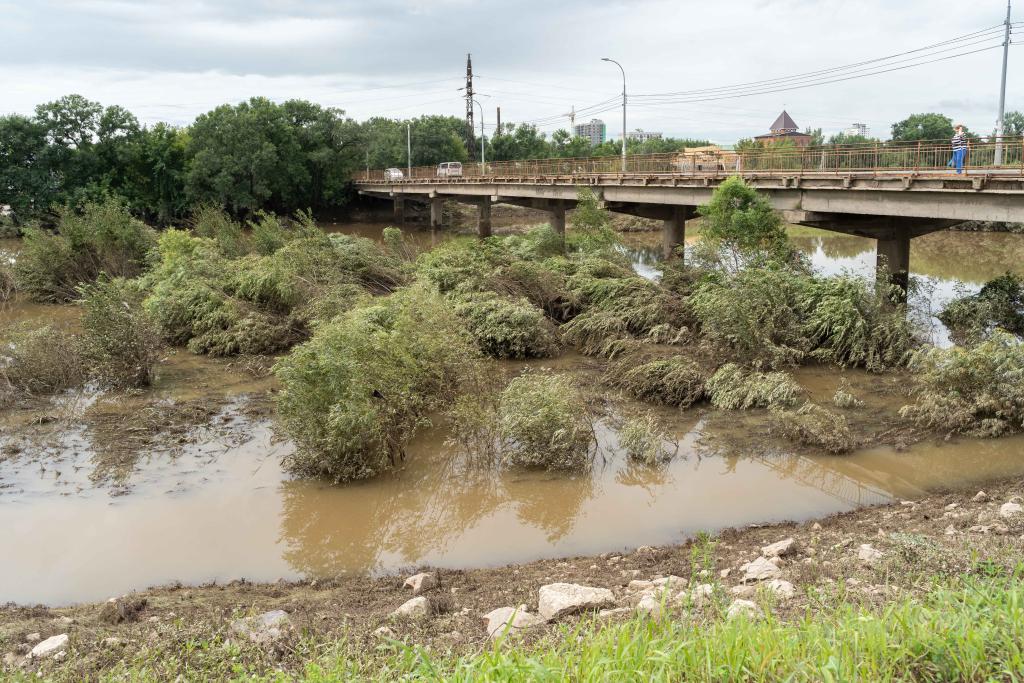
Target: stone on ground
781,588
265,628
33,638
509,620
671,581
560,599
50,647
743,591
868,555
122,609
786,546
414,608
744,608
760,569
421,582
640,585
650,604
384,632
980,497
615,612
1010,509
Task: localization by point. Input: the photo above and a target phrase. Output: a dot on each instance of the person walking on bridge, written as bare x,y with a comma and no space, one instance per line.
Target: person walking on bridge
959,148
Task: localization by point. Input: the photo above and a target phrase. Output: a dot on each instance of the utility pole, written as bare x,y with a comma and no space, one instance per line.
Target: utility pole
408,146
469,105
1002,91
497,129
606,59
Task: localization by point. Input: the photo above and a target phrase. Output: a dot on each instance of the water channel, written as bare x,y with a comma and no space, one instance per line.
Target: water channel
213,503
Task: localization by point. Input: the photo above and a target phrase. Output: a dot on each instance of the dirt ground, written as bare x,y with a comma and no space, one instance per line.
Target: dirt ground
945,533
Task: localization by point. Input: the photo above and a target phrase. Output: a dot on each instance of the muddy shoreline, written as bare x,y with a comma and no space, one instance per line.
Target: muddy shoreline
955,525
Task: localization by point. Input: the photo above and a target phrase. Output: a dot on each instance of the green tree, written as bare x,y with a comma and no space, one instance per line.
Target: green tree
519,142
741,226
923,127
26,183
1013,123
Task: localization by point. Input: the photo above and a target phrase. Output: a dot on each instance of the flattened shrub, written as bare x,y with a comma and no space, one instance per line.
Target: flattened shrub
734,388
675,381
355,393
545,423
756,315
999,304
978,390
120,341
104,238
849,324
38,360
507,328
816,426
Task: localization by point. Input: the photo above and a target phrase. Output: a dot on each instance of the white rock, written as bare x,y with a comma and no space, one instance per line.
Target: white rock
559,599
612,613
951,530
815,527
701,592
725,573
781,588
50,647
509,620
1011,509
264,628
638,585
952,506
423,581
742,591
744,608
868,554
759,570
650,605
786,546
673,582
414,608
33,638
980,497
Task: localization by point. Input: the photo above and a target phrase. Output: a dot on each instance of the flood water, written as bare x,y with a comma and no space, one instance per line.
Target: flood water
214,504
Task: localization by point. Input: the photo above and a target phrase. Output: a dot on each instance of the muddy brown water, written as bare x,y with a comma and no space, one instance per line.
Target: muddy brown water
216,505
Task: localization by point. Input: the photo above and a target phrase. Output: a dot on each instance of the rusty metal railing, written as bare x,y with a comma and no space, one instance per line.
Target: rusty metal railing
882,157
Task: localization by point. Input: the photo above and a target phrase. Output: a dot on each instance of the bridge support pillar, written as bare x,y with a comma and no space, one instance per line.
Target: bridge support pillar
558,219
483,221
400,210
436,212
674,231
893,255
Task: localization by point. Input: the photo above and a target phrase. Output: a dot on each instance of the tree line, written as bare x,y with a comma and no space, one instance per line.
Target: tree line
280,157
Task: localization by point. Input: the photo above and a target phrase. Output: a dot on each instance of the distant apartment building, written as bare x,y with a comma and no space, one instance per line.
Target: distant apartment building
593,131
643,135
858,129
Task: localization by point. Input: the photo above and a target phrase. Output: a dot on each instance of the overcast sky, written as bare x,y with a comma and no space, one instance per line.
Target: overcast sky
169,61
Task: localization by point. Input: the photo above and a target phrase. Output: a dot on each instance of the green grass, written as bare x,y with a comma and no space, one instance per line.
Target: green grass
971,631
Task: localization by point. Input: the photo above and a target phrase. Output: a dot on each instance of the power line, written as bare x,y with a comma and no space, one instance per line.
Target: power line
989,33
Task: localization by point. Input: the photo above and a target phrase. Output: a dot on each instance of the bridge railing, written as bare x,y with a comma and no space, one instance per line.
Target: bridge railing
923,155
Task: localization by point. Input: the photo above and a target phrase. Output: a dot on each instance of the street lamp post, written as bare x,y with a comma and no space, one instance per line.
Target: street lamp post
606,59
408,148
483,160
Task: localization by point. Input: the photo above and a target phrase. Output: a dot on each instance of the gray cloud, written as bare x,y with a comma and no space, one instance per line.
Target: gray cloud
172,60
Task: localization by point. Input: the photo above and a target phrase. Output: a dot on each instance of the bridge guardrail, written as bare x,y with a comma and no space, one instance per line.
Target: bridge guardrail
924,155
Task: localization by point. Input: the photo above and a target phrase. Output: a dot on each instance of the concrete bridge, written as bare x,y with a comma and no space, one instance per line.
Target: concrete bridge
888,193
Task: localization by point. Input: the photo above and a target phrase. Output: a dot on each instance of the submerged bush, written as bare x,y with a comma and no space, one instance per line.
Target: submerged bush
507,328
104,238
733,388
644,441
120,341
814,425
355,393
675,381
844,396
999,304
39,360
7,285
977,390
544,422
